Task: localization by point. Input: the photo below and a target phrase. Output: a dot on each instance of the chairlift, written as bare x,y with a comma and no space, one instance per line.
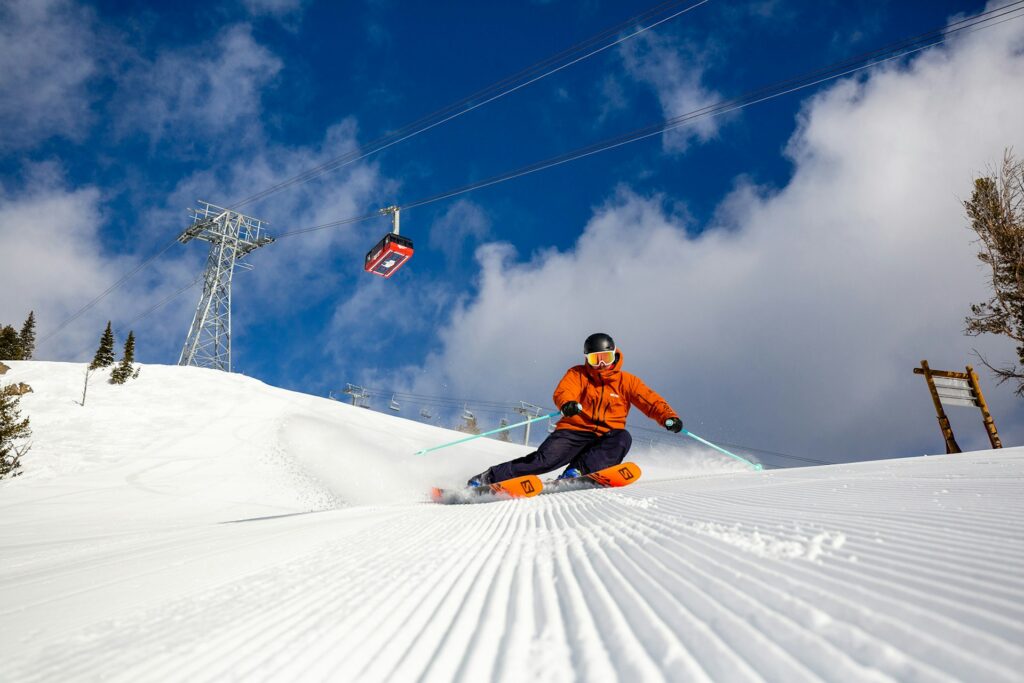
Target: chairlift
392,252
466,414
393,405
425,414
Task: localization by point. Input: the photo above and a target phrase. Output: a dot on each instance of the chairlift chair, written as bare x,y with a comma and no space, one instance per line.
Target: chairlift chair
425,414
393,405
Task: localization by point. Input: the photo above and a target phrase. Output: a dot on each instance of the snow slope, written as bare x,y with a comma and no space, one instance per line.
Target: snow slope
194,525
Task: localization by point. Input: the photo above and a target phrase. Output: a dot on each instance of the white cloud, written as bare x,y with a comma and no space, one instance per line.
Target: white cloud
794,322
203,91
675,70
53,262
464,222
53,257
301,271
274,8
46,62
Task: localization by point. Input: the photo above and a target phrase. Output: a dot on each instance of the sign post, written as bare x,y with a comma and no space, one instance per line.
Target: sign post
990,425
957,389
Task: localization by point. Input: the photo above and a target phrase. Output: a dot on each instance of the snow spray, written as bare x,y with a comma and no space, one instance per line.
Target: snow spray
493,431
756,466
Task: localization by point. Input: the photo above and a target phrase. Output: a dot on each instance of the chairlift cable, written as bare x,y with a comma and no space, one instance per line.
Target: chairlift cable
788,86
491,92
501,408
124,278
978,22
119,329
482,97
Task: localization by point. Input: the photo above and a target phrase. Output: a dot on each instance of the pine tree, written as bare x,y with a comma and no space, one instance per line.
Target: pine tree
124,371
10,348
27,338
996,212
12,429
105,353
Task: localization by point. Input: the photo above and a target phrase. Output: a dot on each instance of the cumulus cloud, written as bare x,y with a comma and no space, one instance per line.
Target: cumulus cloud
794,321
53,262
675,70
54,258
47,60
337,194
464,223
198,92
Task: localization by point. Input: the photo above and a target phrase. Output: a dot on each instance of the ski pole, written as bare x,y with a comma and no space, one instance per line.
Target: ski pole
493,431
756,466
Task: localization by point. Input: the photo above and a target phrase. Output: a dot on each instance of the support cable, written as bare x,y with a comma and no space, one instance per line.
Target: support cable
499,407
124,278
495,91
1014,10
978,22
119,330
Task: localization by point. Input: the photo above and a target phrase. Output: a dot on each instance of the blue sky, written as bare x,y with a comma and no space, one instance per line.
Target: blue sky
119,115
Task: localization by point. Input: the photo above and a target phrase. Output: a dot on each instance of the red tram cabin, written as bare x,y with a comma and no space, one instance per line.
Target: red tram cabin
392,252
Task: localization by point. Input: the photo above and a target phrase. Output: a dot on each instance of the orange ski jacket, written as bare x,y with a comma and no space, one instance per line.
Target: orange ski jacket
606,395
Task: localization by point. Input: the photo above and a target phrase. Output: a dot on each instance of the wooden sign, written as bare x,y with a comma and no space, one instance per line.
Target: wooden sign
957,389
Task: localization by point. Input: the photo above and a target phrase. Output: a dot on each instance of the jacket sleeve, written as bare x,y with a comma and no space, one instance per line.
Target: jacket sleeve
570,388
650,403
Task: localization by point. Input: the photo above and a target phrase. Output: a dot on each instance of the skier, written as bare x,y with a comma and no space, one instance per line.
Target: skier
595,398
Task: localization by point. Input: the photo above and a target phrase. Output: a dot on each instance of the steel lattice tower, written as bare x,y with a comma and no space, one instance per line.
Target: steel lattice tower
231,236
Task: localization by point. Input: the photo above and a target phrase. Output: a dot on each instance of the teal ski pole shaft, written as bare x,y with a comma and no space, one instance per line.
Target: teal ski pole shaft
493,431
756,466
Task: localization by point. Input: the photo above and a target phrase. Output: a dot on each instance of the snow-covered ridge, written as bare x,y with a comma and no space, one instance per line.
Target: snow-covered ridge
193,525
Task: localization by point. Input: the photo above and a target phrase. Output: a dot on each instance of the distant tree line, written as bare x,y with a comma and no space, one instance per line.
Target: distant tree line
16,345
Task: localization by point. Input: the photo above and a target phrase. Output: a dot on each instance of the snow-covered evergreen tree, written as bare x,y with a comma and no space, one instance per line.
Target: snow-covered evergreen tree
10,346
125,369
105,353
13,429
27,338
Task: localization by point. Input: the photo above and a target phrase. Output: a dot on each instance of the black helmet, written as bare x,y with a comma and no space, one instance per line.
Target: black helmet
598,341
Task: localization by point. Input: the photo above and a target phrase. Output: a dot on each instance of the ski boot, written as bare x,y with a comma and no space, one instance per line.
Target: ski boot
570,473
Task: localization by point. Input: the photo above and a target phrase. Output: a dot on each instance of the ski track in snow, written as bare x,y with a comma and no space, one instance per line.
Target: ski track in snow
660,581
900,570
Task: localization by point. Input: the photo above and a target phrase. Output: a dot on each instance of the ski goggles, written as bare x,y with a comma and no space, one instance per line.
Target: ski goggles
598,358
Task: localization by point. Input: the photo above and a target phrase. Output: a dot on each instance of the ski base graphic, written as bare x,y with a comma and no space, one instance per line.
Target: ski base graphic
519,487
615,476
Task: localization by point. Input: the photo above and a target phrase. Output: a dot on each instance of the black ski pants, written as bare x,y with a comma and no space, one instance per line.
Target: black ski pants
586,451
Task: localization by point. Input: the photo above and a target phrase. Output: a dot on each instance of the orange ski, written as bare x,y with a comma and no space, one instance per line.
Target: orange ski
622,474
519,487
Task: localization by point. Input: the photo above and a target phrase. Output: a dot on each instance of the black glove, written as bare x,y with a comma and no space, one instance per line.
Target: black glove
674,425
571,408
